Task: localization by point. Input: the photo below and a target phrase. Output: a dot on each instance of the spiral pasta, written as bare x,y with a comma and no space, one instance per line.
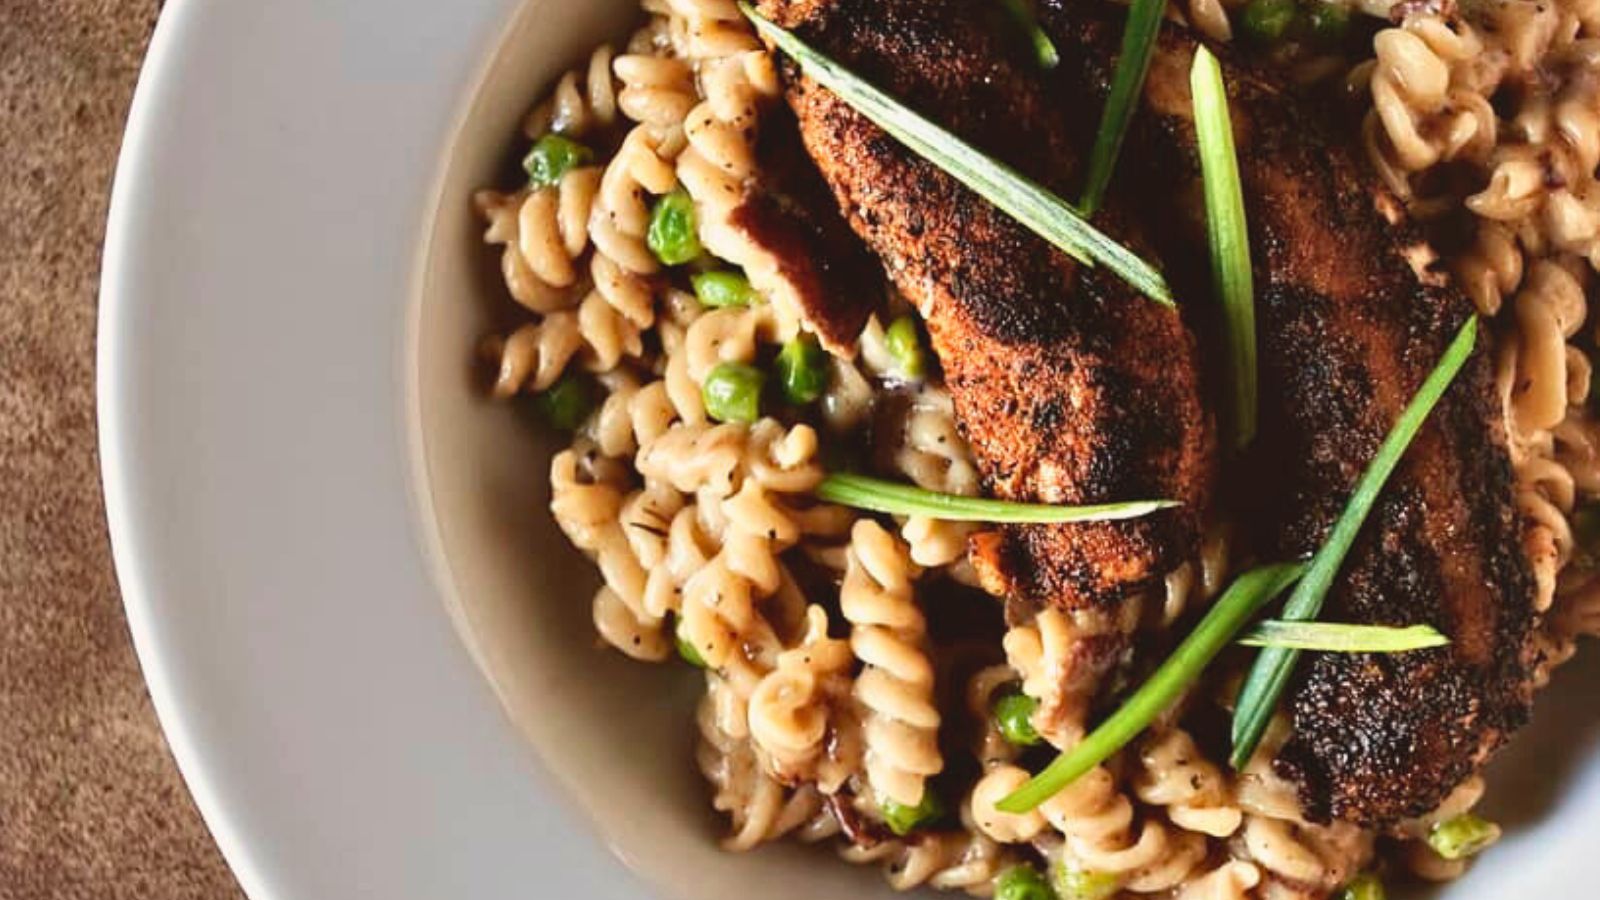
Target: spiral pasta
1040,653
533,356
1174,774
1197,581
1056,654
930,451
791,707
1313,860
935,542
1233,880
719,616
705,28
1007,828
895,686
759,808
657,91
1104,834
717,163
597,518
632,416
947,860
502,212
1428,103
620,216
584,100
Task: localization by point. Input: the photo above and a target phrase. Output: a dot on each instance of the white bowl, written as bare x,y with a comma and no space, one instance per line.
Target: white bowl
298,468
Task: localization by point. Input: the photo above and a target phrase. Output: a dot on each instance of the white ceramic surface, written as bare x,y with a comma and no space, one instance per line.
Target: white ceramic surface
311,508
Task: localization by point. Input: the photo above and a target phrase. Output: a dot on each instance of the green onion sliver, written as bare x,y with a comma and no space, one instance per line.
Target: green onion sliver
1024,200
893,498
1133,63
1044,49
1242,600
1332,637
1270,675
1229,238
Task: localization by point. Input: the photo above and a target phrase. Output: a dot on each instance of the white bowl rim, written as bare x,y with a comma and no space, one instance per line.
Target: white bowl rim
359,835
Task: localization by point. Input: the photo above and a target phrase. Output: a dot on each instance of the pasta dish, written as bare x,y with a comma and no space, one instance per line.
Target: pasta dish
1090,450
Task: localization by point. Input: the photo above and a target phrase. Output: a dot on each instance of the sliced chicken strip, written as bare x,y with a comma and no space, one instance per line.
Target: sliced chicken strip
1351,320
1070,386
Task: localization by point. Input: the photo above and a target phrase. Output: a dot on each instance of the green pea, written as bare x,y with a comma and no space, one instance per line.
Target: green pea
902,819
686,648
1463,836
566,403
732,392
718,290
1013,715
1073,883
1366,886
1021,883
1327,23
905,345
802,369
1266,21
552,157
671,236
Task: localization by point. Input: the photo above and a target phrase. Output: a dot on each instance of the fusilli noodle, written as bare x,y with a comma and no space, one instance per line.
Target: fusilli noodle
895,686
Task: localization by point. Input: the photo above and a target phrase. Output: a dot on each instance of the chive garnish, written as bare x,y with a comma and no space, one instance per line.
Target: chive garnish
1133,63
1241,601
1270,674
1338,637
893,498
1229,237
1044,49
1013,193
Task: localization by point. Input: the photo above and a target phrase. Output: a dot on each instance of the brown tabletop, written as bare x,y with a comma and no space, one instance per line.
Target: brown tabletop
90,802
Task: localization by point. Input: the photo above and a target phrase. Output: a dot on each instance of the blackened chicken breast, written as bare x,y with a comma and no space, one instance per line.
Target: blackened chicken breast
1351,319
1069,385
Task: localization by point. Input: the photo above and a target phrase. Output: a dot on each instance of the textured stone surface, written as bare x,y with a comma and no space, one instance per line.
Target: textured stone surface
90,802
